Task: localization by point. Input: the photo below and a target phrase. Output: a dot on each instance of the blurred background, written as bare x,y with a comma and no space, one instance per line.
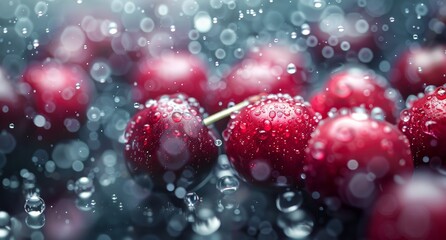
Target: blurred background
84,186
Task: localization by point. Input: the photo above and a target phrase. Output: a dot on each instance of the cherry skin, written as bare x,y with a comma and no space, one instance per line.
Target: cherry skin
418,68
60,94
351,155
168,143
355,87
170,74
12,107
266,141
268,69
424,124
414,210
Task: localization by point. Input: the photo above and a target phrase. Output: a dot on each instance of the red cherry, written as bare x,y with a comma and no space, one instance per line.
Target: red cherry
354,87
418,68
61,95
170,74
350,156
168,143
415,210
266,141
12,107
424,124
271,70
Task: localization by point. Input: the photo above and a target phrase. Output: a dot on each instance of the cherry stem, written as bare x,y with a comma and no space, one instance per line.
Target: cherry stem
226,112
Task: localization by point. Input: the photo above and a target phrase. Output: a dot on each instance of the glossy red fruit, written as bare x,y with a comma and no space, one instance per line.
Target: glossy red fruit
424,124
418,68
415,210
269,69
355,87
266,141
168,143
170,74
12,107
350,156
60,94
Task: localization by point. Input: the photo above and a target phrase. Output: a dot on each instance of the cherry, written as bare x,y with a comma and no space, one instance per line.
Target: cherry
12,107
269,69
351,155
354,87
414,210
168,143
170,74
424,124
419,67
265,142
61,94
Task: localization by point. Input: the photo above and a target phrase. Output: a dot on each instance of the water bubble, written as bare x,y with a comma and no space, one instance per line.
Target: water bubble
100,71
7,142
289,201
35,222
194,47
94,114
220,53
206,222
305,29
146,24
228,184
84,187
24,27
34,206
296,225
22,11
421,9
365,55
291,68
202,22
163,10
228,202
41,8
5,219
298,18
318,3
345,46
362,26
415,36
5,233
228,36
392,19
377,113
191,199
190,7
327,52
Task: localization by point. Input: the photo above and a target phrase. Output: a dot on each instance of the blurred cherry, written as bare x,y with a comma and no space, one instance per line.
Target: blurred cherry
170,74
60,94
414,210
351,155
419,67
355,87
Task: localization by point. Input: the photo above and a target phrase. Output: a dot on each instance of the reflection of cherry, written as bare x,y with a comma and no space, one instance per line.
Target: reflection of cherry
268,69
61,94
414,210
170,74
350,156
168,142
266,141
424,124
354,87
418,68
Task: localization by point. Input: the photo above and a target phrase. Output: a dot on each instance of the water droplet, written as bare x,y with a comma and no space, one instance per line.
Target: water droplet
191,199
206,222
227,184
291,68
218,142
84,187
289,201
34,206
